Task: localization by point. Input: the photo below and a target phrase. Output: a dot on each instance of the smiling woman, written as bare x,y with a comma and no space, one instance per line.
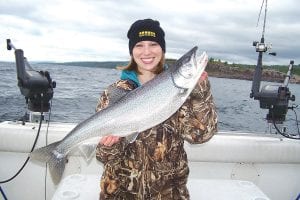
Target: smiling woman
144,167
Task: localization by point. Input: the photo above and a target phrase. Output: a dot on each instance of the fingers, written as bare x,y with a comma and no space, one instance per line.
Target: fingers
204,75
109,140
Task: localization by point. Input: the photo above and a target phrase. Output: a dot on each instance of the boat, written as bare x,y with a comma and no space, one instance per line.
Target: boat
232,165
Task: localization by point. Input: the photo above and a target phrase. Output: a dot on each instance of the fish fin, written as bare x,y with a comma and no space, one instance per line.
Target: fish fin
55,160
88,150
132,137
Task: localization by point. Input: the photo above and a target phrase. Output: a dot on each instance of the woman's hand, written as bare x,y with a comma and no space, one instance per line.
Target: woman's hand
203,76
109,140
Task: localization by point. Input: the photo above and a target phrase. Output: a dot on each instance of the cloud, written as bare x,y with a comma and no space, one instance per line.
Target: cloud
96,29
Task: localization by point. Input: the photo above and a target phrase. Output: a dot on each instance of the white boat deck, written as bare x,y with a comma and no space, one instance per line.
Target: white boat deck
86,187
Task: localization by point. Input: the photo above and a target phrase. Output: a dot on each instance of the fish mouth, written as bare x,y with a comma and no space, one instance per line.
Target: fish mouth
199,61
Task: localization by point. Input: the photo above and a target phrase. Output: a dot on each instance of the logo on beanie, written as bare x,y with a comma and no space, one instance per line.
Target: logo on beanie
147,33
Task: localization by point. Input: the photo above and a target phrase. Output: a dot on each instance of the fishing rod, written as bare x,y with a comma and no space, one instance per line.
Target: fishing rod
275,98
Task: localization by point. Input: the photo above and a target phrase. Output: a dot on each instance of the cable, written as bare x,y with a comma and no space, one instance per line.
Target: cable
46,169
265,17
296,119
27,159
3,194
284,134
260,12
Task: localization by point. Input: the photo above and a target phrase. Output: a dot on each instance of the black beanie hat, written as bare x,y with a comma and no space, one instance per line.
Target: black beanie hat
146,30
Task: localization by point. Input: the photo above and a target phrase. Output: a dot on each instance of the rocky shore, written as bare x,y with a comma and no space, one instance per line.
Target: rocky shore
216,69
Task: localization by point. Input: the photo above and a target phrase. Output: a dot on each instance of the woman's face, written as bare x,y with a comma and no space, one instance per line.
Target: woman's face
147,55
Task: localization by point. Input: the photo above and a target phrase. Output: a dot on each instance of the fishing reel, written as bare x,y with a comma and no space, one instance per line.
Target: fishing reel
36,86
262,47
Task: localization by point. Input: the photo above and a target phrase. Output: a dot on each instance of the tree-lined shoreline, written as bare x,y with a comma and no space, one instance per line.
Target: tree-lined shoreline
274,73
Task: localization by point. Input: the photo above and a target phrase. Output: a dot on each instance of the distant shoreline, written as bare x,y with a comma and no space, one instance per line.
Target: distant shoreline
245,72
269,75
214,68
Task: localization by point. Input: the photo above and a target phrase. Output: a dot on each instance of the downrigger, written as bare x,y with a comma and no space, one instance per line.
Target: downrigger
36,86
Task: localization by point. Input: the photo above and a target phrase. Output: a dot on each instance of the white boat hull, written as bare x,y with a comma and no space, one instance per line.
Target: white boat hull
269,162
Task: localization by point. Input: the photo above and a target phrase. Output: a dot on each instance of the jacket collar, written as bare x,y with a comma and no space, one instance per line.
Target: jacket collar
130,75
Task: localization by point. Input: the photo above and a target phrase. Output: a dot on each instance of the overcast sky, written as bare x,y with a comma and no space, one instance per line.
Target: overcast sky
95,30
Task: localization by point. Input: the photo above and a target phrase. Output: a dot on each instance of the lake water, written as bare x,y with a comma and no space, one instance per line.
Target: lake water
78,89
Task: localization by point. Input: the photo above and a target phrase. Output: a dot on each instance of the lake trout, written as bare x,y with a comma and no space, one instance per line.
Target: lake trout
138,110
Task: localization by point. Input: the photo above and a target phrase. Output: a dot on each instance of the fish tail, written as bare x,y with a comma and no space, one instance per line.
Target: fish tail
55,160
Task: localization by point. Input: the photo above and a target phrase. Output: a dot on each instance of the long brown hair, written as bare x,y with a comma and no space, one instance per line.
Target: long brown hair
132,66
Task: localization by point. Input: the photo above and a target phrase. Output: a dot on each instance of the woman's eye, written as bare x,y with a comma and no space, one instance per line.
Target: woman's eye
139,45
154,44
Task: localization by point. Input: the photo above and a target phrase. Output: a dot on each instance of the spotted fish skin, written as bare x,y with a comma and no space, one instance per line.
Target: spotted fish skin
137,111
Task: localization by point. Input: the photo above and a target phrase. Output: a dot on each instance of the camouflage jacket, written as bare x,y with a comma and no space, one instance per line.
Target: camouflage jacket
155,165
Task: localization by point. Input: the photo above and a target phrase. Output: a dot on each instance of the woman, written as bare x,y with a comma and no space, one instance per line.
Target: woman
155,165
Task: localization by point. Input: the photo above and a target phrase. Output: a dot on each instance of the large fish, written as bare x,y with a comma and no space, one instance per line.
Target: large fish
137,111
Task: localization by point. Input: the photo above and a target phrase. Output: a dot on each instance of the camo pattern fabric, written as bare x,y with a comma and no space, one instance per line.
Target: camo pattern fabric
155,165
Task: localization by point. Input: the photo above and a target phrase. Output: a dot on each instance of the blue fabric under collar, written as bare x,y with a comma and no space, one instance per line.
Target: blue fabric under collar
131,75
